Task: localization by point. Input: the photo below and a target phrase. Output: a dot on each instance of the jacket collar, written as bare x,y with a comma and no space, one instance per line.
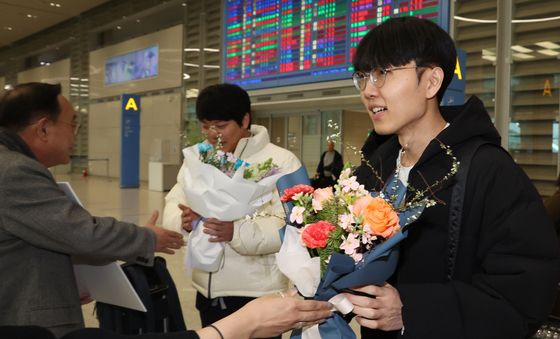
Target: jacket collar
256,142
12,141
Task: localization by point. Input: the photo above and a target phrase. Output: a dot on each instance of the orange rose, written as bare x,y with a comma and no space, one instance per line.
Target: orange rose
378,216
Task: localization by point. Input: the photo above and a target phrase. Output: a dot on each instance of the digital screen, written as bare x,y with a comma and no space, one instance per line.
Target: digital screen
271,43
139,64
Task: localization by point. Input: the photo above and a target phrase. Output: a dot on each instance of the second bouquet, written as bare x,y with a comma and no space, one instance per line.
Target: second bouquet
219,185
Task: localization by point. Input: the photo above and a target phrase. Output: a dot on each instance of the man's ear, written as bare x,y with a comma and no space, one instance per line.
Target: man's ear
41,128
435,81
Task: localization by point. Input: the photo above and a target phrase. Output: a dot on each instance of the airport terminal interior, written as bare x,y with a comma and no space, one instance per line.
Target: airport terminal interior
509,57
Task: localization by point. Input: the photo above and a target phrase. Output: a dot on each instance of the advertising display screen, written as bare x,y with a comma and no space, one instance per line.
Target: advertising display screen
271,43
139,64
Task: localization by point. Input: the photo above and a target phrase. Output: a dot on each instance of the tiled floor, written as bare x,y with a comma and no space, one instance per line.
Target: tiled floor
103,197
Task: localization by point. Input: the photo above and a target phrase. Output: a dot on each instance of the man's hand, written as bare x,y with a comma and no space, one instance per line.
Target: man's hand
187,217
383,312
166,240
220,231
85,298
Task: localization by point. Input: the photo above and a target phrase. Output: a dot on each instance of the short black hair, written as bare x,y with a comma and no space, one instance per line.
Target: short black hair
399,41
28,102
223,102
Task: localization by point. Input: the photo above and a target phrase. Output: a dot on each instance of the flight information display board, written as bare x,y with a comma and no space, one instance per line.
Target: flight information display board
271,43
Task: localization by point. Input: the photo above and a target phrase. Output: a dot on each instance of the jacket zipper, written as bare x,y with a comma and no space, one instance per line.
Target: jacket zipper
210,285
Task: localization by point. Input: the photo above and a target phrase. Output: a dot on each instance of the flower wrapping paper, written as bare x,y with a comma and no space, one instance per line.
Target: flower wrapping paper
212,194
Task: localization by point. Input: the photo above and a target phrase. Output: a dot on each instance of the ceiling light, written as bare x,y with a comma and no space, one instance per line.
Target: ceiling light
491,51
210,66
523,56
8,87
489,57
549,52
521,49
211,50
8,28
54,4
186,76
191,65
119,27
547,44
192,49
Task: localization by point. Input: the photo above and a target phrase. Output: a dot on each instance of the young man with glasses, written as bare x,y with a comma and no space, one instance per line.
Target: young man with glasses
41,229
493,276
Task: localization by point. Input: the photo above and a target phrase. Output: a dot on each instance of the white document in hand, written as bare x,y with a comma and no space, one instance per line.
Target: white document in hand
108,284
105,283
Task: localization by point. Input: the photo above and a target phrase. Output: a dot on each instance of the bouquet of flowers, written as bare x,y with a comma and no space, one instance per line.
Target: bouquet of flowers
219,185
341,237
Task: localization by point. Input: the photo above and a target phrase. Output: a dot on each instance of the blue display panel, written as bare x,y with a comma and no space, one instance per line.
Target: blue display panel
139,64
271,43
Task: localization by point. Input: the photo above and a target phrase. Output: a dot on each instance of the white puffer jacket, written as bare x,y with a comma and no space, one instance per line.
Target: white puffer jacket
249,266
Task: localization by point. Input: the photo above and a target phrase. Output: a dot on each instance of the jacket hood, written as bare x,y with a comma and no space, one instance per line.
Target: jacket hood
468,121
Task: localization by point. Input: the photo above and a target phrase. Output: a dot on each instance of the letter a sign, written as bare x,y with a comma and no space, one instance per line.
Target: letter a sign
130,141
131,104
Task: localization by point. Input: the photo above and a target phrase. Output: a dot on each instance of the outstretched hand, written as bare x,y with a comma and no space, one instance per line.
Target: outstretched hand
166,241
274,314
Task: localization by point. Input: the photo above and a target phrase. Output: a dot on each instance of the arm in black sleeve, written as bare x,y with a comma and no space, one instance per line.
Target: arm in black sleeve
507,286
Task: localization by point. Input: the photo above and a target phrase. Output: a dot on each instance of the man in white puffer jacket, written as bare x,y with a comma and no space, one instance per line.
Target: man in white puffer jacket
248,268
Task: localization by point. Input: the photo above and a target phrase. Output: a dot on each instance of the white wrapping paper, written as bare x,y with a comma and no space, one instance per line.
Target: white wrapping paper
294,261
212,194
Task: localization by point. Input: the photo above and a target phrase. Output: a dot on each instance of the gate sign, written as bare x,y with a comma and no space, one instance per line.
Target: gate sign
130,141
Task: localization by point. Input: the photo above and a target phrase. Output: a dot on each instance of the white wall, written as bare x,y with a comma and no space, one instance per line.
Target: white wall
160,119
170,64
55,73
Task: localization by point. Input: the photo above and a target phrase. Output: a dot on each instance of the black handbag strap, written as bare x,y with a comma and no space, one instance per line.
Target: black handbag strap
457,200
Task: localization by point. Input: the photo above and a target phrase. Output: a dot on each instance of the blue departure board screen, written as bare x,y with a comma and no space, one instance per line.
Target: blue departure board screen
271,43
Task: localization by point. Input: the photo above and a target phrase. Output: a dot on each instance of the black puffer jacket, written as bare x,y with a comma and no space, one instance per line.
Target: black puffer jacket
507,263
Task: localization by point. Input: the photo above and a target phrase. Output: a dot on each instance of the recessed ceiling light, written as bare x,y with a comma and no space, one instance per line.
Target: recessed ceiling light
549,52
119,27
547,44
8,28
521,49
54,4
523,56
489,57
